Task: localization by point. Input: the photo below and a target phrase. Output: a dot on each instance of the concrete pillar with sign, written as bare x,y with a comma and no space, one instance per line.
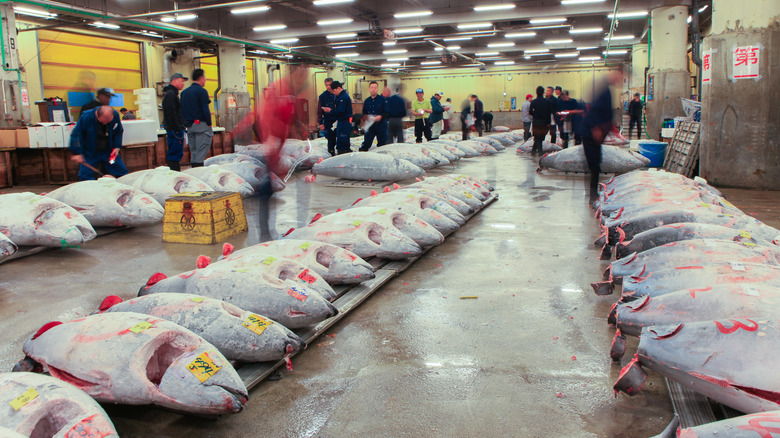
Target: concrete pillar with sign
234,99
740,81
668,77
636,83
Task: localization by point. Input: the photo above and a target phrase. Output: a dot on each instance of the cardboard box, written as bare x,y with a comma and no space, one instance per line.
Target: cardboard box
22,138
37,136
56,134
7,138
139,131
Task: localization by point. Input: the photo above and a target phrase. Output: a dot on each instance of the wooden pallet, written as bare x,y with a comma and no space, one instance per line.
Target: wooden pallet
682,155
358,184
349,297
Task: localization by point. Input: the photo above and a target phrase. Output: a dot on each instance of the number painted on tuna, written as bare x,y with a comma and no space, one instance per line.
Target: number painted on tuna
737,326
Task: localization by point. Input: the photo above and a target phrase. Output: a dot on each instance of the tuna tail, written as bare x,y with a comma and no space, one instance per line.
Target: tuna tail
618,347
358,200
109,302
612,316
154,279
386,189
227,249
27,364
396,187
374,193
288,232
316,217
602,287
46,327
203,261
606,252
607,275
671,430
632,378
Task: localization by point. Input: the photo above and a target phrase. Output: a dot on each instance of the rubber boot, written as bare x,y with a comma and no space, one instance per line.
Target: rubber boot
175,165
196,164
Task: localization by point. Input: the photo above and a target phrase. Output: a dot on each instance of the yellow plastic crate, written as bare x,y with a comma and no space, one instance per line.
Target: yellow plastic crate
203,217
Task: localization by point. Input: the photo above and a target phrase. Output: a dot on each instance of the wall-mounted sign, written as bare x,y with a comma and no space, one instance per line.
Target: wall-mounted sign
650,87
745,62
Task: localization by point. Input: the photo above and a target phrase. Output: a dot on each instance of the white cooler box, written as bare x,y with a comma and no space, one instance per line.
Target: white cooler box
139,131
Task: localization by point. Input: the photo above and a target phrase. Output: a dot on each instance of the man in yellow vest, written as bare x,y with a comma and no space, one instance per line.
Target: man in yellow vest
421,108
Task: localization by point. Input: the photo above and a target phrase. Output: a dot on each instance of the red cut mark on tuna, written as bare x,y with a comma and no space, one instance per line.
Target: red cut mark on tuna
186,275
621,234
155,278
639,279
674,225
203,261
316,217
660,212
46,328
69,378
289,363
69,215
637,305
227,249
693,291
619,213
633,257
670,244
109,302
664,333
358,200
737,326
755,423
288,232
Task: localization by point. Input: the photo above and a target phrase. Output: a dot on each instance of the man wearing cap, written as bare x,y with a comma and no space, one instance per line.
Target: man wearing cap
173,121
197,118
437,116
326,100
95,142
421,108
341,113
527,117
375,112
104,96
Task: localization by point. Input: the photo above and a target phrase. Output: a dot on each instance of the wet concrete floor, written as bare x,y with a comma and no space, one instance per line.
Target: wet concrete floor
527,358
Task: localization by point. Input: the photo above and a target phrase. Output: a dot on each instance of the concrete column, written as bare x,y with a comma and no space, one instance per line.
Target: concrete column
668,66
337,71
233,99
636,81
739,137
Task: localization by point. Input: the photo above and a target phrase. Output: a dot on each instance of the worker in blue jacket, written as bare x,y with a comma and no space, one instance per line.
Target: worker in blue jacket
327,100
96,140
375,111
341,114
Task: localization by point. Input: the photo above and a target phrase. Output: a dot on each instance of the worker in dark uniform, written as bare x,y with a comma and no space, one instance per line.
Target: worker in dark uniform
598,122
173,121
635,116
375,111
541,110
548,94
479,112
341,114
326,100
96,140
104,96
488,119
396,111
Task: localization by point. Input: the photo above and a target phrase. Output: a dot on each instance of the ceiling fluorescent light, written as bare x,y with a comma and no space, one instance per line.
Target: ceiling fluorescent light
567,55
350,46
634,14
105,25
33,12
439,49
564,41
167,19
486,53
335,21
520,35
475,25
503,63
494,7
186,17
587,30
330,2
413,14
347,55
586,47
496,45
619,37
394,51
526,52
453,47
430,63
589,58
405,30
250,9
457,39
579,2
614,52
284,41
391,64
703,8
388,43
403,58
269,27
258,52
341,36
547,20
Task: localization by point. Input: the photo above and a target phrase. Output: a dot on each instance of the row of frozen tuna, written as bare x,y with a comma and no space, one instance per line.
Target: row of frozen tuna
700,288
399,161
174,345
66,216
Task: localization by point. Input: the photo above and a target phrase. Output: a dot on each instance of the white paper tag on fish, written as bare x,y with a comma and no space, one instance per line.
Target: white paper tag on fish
750,291
26,397
737,266
203,367
395,233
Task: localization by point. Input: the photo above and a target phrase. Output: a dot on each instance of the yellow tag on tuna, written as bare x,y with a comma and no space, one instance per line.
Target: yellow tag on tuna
468,195
26,397
203,367
745,234
256,323
197,299
357,223
704,204
269,260
382,211
141,326
305,245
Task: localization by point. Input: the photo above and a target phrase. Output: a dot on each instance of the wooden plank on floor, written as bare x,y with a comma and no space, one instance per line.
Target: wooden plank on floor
692,408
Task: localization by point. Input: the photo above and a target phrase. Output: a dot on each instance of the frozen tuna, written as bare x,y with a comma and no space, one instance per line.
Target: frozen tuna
42,406
419,231
416,200
29,219
365,238
7,247
162,183
759,425
254,173
136,359
238,334
415,154
613,160
367,167
107,202
232,158
442,223
222,180
730,361
284,301
336,265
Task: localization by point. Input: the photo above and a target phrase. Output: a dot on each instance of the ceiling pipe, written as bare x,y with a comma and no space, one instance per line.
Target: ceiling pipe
612,26
193,9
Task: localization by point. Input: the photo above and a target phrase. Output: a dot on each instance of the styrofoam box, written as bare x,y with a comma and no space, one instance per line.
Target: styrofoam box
139,131
37,136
